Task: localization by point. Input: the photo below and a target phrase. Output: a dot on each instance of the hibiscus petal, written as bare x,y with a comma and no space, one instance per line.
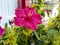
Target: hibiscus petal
19,21
31,25
20,13
37,18
29,11
33,11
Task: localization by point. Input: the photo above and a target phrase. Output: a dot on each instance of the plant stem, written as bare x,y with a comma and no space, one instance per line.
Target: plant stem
36,35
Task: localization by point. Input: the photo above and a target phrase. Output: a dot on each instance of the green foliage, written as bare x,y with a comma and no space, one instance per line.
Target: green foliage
10,37
49,35
23,35
39,7
54,23
53,33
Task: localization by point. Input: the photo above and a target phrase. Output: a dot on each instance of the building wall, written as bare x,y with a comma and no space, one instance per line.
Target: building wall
7,10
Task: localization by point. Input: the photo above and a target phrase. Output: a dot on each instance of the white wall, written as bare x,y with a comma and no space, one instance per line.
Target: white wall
7,8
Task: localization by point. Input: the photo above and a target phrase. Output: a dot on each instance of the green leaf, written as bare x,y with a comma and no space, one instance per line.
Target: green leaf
40,27
52,34
6,25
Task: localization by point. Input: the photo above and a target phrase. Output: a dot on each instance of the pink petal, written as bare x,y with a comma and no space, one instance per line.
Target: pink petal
27,24
20,13
31,24
0,17
2,31
19,21
37,18
29,10
33,11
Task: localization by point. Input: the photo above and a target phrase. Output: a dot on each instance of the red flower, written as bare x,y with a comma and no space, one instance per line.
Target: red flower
28,18
2,31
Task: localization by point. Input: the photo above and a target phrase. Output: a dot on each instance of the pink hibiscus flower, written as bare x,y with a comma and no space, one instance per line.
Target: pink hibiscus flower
27,17
2,31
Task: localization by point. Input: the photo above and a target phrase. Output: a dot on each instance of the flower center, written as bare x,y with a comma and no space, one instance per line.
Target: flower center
27,18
